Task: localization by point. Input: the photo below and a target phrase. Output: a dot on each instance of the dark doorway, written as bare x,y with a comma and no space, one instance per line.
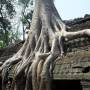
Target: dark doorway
0,83
66,85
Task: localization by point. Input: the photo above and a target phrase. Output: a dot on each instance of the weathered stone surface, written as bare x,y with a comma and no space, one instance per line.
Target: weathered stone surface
85,84
75,65
7,52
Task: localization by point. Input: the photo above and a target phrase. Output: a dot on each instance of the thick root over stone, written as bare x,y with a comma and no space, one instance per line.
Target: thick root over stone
31,65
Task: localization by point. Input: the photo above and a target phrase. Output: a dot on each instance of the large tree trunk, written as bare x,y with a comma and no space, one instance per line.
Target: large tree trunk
31,66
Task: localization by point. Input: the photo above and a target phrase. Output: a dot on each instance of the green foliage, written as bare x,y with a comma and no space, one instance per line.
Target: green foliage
26,2
7,12
1,44
26,19
7,8
26,16
5,28
10,9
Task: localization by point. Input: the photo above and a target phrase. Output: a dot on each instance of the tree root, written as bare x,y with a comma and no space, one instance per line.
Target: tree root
32,63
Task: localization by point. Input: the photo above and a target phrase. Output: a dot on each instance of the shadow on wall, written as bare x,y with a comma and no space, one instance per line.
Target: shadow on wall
66,85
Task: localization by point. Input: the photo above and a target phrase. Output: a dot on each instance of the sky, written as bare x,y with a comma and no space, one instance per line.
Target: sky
70,9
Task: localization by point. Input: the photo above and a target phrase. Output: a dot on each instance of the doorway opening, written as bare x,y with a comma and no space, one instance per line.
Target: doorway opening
66,85
0,83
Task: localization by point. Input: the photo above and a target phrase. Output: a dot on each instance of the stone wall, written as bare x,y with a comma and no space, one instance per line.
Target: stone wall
75,65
